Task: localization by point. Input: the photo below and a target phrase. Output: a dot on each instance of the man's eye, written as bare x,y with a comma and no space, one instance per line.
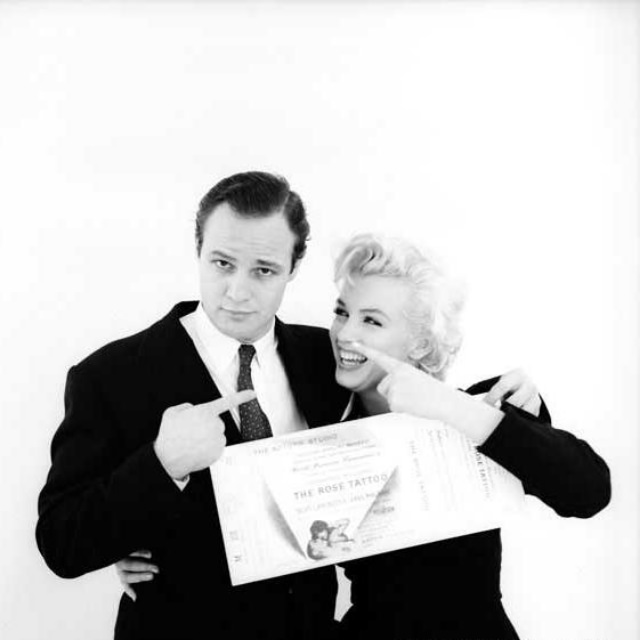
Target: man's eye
225,265
265,271
373,321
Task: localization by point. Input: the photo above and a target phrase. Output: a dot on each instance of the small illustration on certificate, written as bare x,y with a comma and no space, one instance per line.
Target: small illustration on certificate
345,491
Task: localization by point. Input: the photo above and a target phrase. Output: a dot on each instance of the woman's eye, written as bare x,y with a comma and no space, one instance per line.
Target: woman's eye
340,312
373,321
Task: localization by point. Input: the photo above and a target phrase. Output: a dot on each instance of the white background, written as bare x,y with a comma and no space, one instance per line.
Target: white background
503,134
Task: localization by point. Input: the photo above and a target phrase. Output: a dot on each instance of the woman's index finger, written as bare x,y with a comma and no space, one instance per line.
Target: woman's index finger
383,360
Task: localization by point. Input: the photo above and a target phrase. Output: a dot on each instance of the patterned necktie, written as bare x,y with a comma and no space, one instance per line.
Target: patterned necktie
253,423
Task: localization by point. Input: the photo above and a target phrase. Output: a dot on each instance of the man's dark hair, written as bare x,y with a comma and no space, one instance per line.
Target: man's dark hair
257,194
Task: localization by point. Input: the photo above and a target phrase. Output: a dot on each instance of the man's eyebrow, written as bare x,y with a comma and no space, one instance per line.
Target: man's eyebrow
216,253
268,263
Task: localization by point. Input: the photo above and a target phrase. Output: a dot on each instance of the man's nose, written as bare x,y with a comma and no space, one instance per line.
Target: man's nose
238,288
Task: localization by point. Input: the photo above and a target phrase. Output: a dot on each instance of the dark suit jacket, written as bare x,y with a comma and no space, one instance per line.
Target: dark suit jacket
450,590
107,494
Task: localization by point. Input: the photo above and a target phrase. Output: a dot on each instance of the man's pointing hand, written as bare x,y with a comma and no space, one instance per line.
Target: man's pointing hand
191,437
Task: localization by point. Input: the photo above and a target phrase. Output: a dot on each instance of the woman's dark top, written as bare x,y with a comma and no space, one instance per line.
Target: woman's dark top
450,590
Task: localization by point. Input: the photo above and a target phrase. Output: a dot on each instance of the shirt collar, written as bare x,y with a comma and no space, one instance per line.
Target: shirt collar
222,349
349,408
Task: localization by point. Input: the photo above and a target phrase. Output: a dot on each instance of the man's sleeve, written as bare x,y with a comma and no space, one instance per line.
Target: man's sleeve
553,465
100,502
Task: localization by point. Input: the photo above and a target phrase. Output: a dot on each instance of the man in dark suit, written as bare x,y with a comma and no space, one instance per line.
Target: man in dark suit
147,415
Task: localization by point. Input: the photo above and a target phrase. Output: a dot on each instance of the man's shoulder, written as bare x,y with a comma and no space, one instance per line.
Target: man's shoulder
307,331
121,349
304,337
123,352
307,348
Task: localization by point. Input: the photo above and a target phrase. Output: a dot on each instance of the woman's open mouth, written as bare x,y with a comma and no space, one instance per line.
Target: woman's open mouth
350,359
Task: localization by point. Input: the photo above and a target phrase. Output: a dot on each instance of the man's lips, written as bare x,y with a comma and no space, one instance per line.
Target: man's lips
237,313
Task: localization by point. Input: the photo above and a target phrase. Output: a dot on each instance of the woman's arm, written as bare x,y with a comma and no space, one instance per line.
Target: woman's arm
553,465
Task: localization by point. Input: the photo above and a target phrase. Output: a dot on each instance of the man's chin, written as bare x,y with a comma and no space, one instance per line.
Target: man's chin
232,328
241,329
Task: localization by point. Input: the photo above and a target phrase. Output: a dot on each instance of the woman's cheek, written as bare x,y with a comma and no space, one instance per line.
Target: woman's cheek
376,375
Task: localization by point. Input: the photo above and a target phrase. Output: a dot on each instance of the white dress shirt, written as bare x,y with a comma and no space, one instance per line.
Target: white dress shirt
220,355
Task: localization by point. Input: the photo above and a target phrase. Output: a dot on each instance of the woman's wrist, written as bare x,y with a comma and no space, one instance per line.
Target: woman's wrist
475,419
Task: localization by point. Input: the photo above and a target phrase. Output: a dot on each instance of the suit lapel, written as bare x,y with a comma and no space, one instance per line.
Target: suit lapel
178,375
291,354
177,372
320,400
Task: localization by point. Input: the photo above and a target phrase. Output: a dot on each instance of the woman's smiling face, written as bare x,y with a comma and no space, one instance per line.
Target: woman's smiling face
370,309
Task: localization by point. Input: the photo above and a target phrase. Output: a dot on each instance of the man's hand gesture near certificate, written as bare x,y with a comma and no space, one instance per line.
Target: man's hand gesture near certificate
191,437
411,390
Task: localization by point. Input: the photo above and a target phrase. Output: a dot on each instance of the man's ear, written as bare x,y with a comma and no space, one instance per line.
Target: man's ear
294,271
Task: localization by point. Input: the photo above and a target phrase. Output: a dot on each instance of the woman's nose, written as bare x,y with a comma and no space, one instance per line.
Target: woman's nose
348,332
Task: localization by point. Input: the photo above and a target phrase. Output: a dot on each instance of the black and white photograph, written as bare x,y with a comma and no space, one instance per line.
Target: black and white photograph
226,223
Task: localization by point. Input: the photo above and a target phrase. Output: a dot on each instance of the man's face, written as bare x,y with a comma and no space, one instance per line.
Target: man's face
244,265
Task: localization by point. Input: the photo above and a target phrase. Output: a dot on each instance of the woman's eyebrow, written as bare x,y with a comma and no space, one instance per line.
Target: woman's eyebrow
374,310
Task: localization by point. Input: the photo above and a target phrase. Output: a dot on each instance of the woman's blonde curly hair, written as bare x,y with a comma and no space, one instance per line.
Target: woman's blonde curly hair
435,308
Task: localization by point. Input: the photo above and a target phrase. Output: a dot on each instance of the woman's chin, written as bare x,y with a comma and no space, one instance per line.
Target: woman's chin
344,379
350,379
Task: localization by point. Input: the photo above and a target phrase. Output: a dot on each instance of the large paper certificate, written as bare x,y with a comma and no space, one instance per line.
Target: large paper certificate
345,491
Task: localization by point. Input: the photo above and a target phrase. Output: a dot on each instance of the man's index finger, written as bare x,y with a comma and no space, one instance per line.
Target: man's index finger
231,401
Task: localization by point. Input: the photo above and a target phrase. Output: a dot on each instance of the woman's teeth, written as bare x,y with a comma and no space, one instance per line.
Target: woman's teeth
351,359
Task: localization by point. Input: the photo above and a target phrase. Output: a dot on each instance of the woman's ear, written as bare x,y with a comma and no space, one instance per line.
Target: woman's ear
418,351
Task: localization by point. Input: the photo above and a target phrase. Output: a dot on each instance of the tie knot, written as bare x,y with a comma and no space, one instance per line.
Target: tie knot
246,353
